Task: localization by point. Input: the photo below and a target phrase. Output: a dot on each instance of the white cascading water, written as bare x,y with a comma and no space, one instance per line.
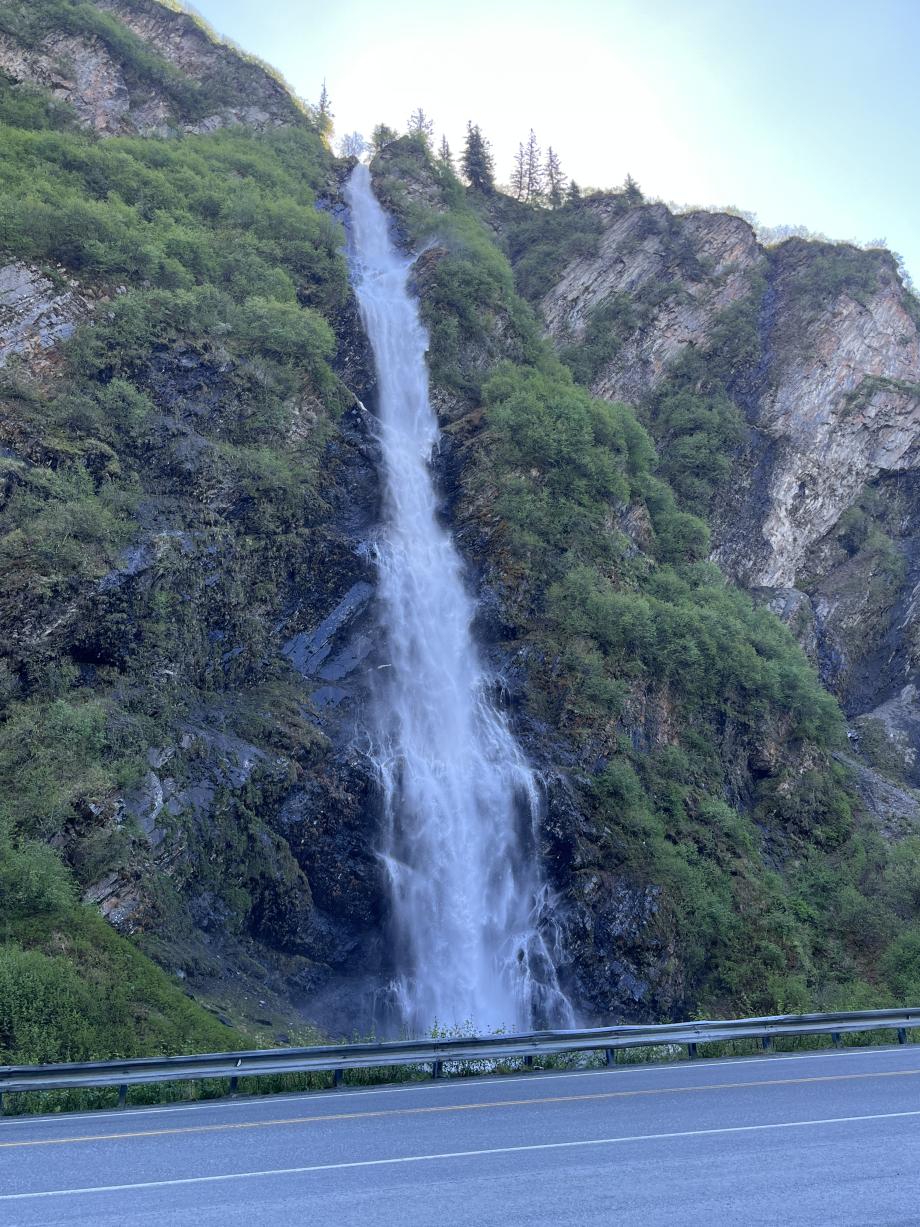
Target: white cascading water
472,915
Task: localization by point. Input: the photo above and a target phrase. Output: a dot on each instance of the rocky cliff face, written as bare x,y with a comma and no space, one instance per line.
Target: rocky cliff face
838,407
152,70
819,516
682,271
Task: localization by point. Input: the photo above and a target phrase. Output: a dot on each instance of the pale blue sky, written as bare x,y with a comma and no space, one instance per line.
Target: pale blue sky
804,112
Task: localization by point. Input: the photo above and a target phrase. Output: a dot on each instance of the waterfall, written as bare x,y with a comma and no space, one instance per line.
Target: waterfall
473,936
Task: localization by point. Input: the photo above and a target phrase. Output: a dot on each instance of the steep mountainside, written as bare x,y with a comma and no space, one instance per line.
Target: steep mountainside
798,366
137,67
184,479
188,502
706,845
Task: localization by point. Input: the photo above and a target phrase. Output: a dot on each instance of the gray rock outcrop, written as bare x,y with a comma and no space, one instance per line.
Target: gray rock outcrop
199,84
35,314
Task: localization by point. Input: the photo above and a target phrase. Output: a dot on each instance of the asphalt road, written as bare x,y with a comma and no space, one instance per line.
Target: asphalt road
828,1138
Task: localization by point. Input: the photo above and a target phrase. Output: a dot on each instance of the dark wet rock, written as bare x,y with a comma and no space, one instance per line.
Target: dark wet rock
621,968
308,650
889,735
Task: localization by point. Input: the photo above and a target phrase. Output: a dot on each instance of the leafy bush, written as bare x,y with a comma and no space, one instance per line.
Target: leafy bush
831,269
608,325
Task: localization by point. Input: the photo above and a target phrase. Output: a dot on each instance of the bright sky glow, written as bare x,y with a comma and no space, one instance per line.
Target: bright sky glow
802,111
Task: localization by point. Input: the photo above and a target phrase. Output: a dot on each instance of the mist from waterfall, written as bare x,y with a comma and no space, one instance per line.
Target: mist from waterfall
474,939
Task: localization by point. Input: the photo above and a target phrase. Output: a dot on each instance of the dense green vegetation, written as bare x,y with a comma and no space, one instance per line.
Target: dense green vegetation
69,987
706,735
541,242
208,251
831,269
470,284
694,415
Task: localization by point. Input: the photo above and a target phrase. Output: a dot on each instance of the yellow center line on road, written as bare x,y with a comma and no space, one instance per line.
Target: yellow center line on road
579,1143
428,1110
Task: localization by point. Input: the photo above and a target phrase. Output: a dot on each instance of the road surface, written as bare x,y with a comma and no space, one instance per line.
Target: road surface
823,1138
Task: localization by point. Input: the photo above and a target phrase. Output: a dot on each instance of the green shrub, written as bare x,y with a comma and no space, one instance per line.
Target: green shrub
542,242
607,327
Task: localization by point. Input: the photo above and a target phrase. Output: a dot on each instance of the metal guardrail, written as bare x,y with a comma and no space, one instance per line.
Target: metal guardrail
336,1058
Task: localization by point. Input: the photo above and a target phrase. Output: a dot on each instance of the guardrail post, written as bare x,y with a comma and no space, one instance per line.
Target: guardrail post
691,1052
766,1042
234,1084
122,1096
610,1056
437,1069
1,1103
528,1062
902,1035
336,1078
835,1037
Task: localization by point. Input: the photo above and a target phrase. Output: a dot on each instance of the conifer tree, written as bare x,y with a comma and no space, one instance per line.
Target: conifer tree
573,196
445,157
632,191
517,175
533,170
476,160
324,112
420,126
554,178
